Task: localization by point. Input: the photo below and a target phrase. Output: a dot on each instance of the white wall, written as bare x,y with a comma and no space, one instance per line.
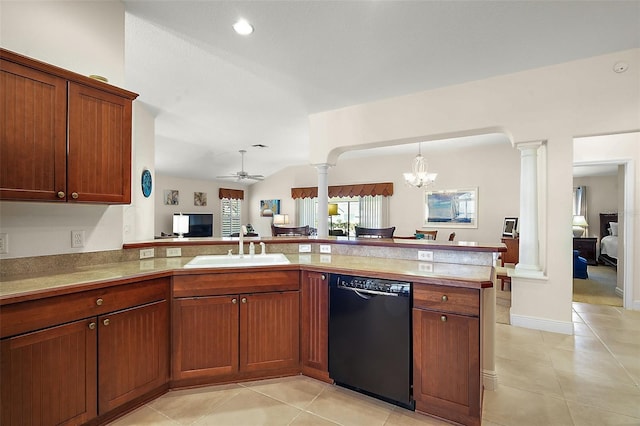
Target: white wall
87,38
553,104
493,169
186,187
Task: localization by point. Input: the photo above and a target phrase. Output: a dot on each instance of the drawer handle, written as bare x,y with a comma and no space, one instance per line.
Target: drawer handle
99,302
107,322
443,318
244,300
74,195
444,298
61,194
92,326
234,300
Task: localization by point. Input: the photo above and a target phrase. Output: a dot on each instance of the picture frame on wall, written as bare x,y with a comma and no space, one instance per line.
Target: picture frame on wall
453,208
171,197
510,227
269,207
199,198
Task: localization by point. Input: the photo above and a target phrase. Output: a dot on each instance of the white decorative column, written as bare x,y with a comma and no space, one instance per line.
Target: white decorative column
529,262
323,199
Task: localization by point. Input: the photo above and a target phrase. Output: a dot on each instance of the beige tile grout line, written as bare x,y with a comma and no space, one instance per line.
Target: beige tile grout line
637,385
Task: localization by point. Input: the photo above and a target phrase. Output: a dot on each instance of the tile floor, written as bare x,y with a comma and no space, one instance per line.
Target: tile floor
590,378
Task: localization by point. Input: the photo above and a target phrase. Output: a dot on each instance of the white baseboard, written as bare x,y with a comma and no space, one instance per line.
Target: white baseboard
490,379
564,327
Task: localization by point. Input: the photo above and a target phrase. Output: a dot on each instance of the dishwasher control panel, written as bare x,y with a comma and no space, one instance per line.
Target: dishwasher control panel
371,284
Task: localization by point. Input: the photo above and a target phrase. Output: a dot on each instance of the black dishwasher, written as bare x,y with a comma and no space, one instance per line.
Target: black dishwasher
370,337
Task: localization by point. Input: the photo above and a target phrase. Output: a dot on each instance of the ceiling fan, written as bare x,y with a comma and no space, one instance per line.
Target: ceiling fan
242,174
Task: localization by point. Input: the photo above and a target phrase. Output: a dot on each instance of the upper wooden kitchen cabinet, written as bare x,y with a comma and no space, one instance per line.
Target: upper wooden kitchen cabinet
63,136
315,325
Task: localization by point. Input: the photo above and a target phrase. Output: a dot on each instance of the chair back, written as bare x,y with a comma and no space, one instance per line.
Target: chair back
428,235
279,231
336,233
375,232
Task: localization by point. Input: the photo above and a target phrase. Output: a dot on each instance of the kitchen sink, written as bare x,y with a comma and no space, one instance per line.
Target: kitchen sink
226,261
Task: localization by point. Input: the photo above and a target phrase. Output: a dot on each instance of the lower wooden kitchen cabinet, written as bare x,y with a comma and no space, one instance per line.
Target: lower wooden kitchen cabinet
315,325
446,353
73,372
222,338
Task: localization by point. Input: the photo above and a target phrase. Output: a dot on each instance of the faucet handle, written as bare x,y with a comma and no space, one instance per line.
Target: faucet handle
263,248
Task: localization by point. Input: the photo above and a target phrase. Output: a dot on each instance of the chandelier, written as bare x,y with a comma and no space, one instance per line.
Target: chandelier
419,175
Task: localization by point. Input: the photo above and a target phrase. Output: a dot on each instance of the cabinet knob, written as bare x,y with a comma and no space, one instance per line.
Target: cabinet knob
74,195
443,318
234,300
324,277
107,322
92,326
99,302
61,194
444,298
244,300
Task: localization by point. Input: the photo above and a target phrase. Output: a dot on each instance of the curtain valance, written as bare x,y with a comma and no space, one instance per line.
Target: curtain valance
360,190
232,194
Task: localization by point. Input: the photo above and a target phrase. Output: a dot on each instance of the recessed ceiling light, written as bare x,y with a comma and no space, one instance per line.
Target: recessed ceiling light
243,27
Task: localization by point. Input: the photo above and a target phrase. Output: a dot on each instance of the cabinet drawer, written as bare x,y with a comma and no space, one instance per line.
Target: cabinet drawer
447,299
233,283
36,314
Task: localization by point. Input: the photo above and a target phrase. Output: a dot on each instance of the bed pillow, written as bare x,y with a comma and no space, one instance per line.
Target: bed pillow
613,228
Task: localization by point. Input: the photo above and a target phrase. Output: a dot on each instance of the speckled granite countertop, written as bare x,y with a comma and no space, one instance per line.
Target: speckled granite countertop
19,287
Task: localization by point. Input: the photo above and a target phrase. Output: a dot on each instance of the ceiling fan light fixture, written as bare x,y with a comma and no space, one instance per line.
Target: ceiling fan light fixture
243,27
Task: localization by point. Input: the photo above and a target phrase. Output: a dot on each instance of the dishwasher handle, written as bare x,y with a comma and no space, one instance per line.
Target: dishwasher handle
360,292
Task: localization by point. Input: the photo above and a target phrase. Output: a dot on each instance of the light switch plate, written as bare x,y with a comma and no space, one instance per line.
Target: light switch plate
304,248
147,253
425,255
174,252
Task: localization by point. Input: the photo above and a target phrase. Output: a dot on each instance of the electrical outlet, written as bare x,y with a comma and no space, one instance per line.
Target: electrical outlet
174,252
425,255
147,253
77,239
325,248
4,243
304,248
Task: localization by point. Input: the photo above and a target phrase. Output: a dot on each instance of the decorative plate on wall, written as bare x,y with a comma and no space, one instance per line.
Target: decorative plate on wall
147,185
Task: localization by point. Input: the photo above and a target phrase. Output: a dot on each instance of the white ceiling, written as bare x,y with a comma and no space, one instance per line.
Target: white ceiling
214,92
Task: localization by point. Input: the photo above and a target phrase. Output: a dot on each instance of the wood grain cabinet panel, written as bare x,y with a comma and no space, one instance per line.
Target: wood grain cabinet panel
269,331
315,325
205,337
133,353
447,354
33,134
49,376
63,136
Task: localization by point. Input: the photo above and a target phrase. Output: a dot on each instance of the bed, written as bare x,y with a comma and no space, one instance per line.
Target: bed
609,239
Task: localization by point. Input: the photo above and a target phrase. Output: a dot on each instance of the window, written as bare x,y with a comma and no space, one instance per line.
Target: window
367,211
230,216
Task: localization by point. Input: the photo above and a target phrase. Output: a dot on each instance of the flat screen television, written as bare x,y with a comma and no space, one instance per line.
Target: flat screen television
200,224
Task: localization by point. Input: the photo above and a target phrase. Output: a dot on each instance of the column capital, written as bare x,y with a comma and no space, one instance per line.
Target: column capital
529,145
323,166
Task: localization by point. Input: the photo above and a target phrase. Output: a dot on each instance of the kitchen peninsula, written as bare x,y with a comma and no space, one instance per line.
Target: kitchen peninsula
137,328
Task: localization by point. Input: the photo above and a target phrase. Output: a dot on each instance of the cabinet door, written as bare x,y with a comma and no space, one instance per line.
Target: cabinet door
99,160
315,325
205,337
133,353
49,377
446,370
33,134
269,331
